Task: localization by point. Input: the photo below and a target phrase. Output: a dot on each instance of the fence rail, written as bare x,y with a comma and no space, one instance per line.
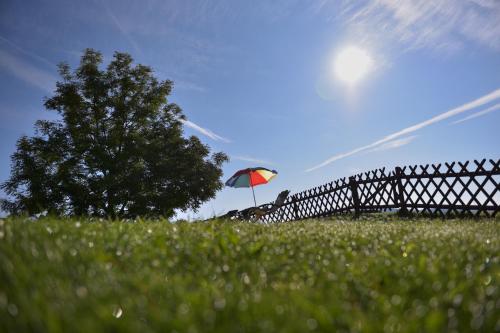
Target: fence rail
453,188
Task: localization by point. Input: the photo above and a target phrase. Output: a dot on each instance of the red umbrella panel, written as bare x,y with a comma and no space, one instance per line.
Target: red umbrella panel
251,177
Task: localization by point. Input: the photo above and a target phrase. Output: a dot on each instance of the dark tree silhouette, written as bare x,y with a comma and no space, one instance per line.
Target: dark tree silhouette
118,149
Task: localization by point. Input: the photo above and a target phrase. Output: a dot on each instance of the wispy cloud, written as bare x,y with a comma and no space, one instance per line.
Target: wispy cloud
25,52
27,72
445,115
204,131
394,144
478,114
187,85
120,28
437,24
251,160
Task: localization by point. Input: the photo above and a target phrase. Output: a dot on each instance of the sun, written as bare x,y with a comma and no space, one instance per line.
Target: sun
352,64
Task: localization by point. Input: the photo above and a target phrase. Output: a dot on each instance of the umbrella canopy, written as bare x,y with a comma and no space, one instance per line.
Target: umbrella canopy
251,177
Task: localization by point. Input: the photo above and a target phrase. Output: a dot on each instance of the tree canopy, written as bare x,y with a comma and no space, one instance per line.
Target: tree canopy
117,150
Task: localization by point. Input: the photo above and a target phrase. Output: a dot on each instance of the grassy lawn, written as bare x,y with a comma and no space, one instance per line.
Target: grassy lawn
375,274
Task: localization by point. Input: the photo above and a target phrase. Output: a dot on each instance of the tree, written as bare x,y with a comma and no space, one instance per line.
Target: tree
118,149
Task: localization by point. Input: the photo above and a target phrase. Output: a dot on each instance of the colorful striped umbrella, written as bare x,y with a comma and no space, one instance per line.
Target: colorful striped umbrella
251,177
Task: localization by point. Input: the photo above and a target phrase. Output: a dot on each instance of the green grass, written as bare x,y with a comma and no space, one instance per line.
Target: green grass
371,275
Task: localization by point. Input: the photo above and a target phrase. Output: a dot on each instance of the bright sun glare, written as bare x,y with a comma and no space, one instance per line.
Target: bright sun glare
351,64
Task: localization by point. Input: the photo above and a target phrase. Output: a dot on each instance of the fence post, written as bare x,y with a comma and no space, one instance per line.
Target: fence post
295,208
354,192
400,191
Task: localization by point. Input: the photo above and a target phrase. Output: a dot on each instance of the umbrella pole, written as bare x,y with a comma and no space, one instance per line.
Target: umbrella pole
254,202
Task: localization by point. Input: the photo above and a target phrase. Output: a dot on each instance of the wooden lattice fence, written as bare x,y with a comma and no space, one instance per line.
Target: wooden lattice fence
450,189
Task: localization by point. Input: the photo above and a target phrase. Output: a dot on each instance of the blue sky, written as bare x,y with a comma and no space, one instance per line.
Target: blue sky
256,79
